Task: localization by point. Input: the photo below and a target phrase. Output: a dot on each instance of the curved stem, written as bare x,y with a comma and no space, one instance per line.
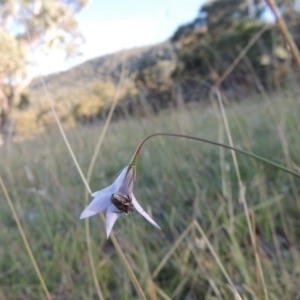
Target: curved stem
134,159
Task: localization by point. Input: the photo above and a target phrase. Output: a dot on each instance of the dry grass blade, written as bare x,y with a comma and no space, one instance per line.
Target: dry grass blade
171,251
240,56
91,260
126,264
225,184
284,31
236,294
67,144
89,174
215,255
214,287
20,227
161,292
230,141
242,190
56,115
90,170
2,296
256,254
286,152
120,252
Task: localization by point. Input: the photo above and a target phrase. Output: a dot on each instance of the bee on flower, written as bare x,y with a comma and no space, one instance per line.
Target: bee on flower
117,198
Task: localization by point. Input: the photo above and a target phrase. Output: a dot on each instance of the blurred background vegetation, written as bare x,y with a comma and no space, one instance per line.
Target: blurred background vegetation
177,71
28,26
182,184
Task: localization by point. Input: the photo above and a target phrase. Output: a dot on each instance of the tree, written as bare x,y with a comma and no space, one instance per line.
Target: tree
41,25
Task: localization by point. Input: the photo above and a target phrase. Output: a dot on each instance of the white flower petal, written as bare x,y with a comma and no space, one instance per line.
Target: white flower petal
112,215
109,189
120,179
100,203
142,212
127,185
95,194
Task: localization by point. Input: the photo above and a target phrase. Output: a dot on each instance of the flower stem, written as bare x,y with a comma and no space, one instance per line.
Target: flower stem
134,159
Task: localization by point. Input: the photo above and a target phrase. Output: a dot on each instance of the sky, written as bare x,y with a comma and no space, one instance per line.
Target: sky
113,25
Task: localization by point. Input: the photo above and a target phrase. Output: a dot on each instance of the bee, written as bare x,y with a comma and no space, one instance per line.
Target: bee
122,203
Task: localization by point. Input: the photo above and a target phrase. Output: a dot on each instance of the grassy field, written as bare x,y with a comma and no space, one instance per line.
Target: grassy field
190,188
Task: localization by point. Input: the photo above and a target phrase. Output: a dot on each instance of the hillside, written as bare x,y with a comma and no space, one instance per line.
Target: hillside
180,70
84,93
105,69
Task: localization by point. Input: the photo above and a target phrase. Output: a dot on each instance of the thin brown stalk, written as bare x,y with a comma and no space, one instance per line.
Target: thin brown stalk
242,189
215,255
284,31
172,250
23,235
161,292
2,295
57,120
126,264
240,56
50,101
89,174
128,268
286,152
258,278
88,179
226,193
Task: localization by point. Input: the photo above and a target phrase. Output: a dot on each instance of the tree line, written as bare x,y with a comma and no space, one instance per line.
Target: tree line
182,70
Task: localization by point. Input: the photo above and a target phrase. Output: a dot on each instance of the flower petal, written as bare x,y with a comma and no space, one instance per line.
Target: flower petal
95,194
112,215
99,203
120,179
142,212
126,187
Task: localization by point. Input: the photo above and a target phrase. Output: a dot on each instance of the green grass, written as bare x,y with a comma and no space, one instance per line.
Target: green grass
182,184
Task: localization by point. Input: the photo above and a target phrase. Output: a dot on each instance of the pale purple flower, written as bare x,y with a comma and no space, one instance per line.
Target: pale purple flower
108,198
